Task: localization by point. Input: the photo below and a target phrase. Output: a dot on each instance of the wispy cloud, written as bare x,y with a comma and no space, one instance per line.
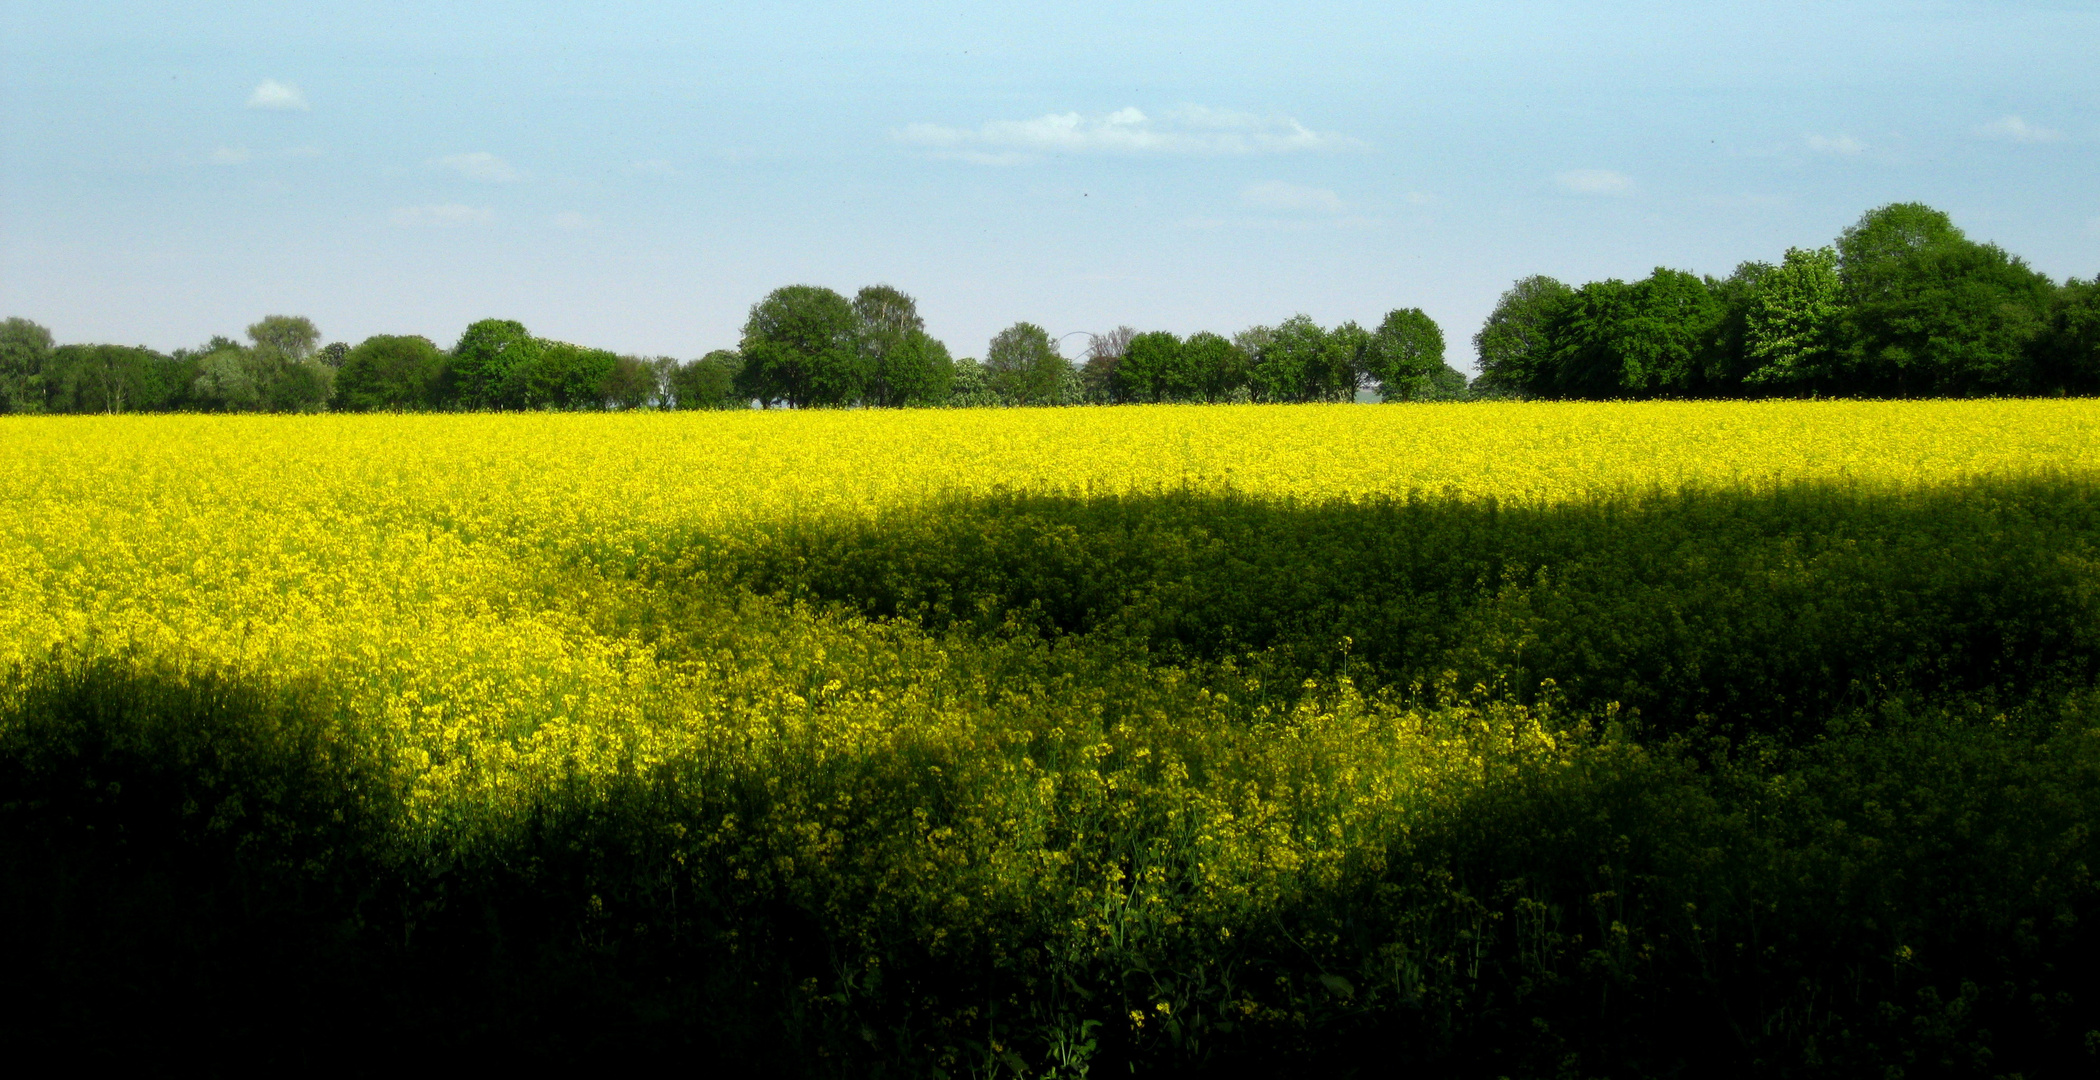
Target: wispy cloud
1840,145
572,221
1594,181
271,94
1189,129
230,155
2014,129
480,166
1296,198
445,216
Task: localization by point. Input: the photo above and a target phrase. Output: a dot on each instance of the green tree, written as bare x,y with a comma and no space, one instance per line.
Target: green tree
1792,323
1343,376
25,350
388,372
971,387
919,372
1217,367
488,365
2068,350
1291,361
1406,356
1726,359
225,380
1931,312
566,376
630,384
285,338
801,347
709,382
304,386
1023,367
1514,348
105,379
1151,367
282,363
1612,339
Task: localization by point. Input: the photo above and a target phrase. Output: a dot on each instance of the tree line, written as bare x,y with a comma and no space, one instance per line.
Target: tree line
1903,304
803,346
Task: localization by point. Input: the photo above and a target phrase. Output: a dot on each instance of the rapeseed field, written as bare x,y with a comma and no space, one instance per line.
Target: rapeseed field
1486,738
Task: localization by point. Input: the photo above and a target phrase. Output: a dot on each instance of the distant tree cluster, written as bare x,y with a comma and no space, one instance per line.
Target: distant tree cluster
1903,305
803,346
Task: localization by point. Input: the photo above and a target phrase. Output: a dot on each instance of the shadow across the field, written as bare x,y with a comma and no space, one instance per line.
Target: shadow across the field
1855,834
1763,609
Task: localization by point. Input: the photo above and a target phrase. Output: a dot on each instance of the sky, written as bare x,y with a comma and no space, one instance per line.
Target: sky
635,176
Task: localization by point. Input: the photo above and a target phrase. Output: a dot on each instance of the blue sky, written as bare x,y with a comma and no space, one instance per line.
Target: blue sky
634,176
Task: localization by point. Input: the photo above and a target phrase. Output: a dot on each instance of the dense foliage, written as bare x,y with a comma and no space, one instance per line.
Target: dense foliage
1519,740
1904,305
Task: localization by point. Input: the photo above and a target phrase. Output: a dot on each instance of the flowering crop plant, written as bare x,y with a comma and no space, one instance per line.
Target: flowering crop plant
1485,737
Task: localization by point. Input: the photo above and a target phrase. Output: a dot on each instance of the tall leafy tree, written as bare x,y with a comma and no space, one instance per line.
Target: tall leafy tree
1151,368
709,382
25,350
1792,324
891,338
900,363
1217,367
566,376
285,338
1343,373
389,372
1932,312
630,384
801,346
489,365
918,372
226,379
1405,356
106,379
2068,353
1514,350
971,386
1291,362
1612,339
282,361
1023,367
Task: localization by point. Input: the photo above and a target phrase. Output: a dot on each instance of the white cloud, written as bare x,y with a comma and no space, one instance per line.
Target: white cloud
479,165
572,221
446,216
1418,198
1841,145
2014,129
1594,181
230,155
271,94
1190,129
1277,195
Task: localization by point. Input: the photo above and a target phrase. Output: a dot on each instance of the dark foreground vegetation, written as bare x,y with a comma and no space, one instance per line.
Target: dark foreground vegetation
1904,304
1818,797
